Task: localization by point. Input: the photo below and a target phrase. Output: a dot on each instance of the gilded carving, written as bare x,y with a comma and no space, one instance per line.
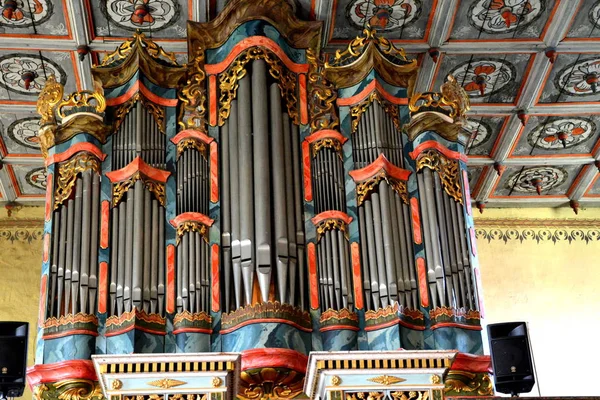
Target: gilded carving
461,382
120,188
386,380
154,50
121,111
270,383
322,96
193,96
447,169
85,98
328,143
228,81
166,383
192,226
358,110
116,384
453,100
331,224
158,112
365,396
51,95
410,395
363,189
336,380
192,143
267,310
67,174
216,381
70,389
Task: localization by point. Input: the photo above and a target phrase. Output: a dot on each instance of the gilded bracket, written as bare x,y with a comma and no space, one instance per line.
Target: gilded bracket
358,110
67,174
139,39
192,226
452,101
363,189
332,224
228,82
193,96
70,389
330,143
322,96
192,143
122,110
120,188
448,170
85,98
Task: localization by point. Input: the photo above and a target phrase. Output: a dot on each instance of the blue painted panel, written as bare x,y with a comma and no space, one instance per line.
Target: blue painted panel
385,338
340,340
266,335
74,347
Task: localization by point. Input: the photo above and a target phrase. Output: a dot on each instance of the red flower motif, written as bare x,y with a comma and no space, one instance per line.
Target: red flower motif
480,77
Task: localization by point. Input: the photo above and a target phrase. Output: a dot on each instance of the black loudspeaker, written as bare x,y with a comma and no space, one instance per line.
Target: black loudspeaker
13,358
511,357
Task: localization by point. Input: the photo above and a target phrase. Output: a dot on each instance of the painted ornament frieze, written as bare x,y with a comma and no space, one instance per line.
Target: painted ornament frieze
484,77
24,13
26,74
25,132
504,16
579,78
145,15
562,133
537,179
383,15
37,178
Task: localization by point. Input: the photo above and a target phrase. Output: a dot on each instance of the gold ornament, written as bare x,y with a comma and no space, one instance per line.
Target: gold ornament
363,189
78,389
410,395
386,380
193,96
51,95
166,383
328,143
358,110
228,81
336,380
139,39
85,98
192,226
453,99
331,224
216,381
322,96
467,382
67,174
116,384
447,169
435,379
192,143
120,188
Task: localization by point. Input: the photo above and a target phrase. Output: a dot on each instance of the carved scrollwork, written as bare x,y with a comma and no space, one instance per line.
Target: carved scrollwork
193,96
356,47
330,143
270,383
158,112
120,188
363,189
228,82
70,389
85,98
192,143
121,111
139,39
331,224
192,226
322,96
448,170
67,174
458,383
453,100
51,95
358,110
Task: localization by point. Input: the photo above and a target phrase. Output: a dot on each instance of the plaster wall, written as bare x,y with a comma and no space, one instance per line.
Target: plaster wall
552,286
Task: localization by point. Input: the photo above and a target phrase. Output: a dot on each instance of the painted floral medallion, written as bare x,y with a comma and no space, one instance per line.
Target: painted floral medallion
37,178
146,15
484,77
535,179
562,133
580,78
24,13
383,15
504,16
25,132
26,74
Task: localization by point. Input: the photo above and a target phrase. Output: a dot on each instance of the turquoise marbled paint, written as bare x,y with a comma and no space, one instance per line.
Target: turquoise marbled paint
340,340
188,342
74,347
267,335
385,338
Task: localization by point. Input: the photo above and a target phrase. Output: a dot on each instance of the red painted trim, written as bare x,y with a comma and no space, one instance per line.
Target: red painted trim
137,328
171,279
416,220
455,325
216,294
138,165
382,163
105,216
43,300
274,358
356,276
138,86
193,134
192,330
214,172
381,326
471,363
46,250
339,327
303,99
370,88
49,197
306,171
265,321
76,148
422,276
115,101
432,144
312,275
102,287
69,333
467,192
326,133
317,219
212,99
411,326
255,41
191,216
55,372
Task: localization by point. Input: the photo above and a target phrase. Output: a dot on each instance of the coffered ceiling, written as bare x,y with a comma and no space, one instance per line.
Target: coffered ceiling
531,68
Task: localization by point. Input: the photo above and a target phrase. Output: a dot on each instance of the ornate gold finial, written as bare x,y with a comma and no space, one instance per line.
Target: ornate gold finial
453,100
139,39
51,95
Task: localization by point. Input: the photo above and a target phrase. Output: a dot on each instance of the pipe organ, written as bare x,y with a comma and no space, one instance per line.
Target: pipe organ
265,198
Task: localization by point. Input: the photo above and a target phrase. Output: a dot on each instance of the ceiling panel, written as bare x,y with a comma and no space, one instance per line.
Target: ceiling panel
574,78
19,134
586,24
484,131
521,182
34,17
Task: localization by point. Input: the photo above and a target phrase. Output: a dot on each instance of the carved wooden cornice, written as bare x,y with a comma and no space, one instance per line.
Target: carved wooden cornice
368,177
209,35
